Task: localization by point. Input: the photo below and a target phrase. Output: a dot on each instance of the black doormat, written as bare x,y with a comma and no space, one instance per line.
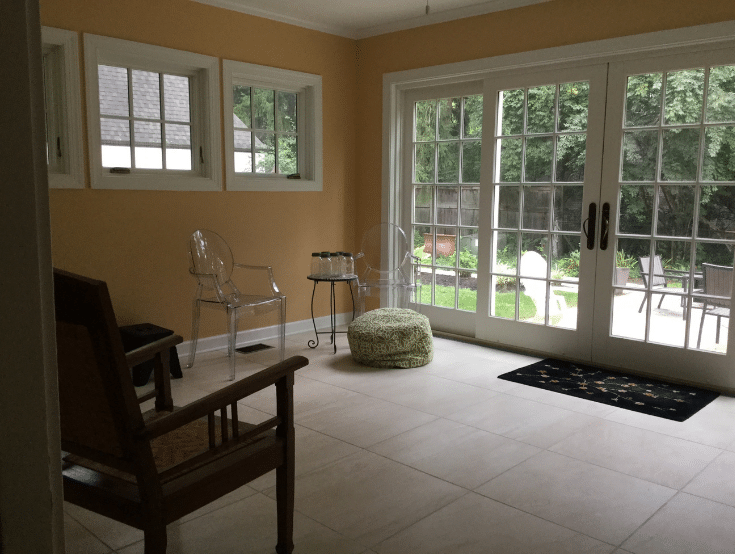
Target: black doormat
639,394
253,348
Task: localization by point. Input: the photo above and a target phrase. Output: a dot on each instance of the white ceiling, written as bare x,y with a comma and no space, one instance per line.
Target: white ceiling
365,18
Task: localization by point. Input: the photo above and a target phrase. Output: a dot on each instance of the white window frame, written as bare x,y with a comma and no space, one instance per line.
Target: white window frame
63,91
309,125
205,114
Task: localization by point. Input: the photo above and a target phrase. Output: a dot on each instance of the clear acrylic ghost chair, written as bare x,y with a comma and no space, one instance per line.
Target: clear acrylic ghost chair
212,265
391,270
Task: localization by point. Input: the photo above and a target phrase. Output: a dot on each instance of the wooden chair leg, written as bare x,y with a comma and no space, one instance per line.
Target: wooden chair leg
155,540
285,499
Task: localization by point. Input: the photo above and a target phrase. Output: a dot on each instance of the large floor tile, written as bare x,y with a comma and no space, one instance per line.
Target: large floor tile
712,425
686,525
363,421
598,502
369,498
474,370
716,481
478,525
249,526
79,540
112,533
658,458
457,453
565,401
313,450
524,420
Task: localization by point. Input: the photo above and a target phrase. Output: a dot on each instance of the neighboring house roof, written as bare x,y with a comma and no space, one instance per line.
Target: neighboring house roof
113,89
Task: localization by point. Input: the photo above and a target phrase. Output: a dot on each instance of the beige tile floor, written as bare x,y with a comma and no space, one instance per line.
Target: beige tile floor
449,459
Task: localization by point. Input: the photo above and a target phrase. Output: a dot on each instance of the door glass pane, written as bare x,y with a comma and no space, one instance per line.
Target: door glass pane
567,208
446,288
450,110
640,150
424,163
573,104
636,209
511,153
533,261
719,154
423,203
721,94
570,158
506,253
539,159
716,212
472,127
541,110
471,162
448,167
675,210
504,302
627,321
643,100
680,154
470,206
509,205
447,205
563,308
565,252
536,207
512,102
684,96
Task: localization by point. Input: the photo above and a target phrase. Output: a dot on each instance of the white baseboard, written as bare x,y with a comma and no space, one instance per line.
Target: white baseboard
254,336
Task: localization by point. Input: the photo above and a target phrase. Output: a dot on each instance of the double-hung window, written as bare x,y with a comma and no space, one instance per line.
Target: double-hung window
273,128
62,103
153,116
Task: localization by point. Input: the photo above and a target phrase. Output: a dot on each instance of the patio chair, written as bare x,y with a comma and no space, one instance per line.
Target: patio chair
149,469
390,266
717,282
659,280
212,265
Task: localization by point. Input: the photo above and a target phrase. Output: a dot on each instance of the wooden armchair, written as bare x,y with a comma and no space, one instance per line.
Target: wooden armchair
147,470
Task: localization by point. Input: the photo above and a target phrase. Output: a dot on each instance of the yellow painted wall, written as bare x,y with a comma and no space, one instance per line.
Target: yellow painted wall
137,240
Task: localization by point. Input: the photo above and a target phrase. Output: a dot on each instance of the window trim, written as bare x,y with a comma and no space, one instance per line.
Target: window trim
205,113
309,88
70,111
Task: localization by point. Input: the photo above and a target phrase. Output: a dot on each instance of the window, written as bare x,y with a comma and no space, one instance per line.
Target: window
63,108
153,117
273,128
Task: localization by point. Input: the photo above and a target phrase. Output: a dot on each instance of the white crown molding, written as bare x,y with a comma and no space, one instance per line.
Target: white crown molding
366,32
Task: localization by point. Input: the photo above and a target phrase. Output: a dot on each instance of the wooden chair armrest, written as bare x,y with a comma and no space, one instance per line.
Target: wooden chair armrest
223,397
149,351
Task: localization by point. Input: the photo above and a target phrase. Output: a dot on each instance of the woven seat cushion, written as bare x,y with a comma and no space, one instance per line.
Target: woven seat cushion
391,337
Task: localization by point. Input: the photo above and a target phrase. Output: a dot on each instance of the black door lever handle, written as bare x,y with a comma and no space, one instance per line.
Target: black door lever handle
605,226
589,225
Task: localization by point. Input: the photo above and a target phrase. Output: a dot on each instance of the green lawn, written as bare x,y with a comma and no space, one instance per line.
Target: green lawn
504,301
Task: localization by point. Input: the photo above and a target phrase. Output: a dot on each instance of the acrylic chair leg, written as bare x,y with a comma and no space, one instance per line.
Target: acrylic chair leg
231,341
282,330
194,332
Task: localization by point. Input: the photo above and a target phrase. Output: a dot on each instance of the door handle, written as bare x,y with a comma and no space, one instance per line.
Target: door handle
605,226
589,225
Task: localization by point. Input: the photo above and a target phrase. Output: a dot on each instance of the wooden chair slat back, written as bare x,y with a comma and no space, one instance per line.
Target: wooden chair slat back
98,407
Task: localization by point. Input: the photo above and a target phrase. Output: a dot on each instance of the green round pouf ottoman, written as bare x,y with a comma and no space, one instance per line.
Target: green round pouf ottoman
391,337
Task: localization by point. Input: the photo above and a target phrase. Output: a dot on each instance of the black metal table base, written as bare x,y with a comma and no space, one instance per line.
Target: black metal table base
332,332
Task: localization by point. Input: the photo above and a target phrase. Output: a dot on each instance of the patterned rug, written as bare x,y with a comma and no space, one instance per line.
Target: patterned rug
639,394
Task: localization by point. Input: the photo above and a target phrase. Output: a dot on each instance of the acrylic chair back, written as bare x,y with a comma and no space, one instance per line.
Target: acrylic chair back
385,250
212,263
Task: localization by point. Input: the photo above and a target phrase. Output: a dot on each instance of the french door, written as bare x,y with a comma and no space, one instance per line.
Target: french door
601,226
